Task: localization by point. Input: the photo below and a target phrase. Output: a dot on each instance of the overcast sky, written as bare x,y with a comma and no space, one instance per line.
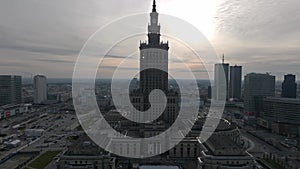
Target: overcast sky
45,37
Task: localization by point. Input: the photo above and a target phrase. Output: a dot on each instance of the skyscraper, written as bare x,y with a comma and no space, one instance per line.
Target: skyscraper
154,75
40,89
256,87
153,58
10,89
235,82
289,86
221,71
209,89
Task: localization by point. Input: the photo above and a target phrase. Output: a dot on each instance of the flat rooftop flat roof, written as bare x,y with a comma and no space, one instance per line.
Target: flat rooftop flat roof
159,167
281,99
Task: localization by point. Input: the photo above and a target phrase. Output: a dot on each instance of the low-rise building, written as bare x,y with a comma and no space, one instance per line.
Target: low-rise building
34,133
9,110
281,115
220,152
14,143
85,154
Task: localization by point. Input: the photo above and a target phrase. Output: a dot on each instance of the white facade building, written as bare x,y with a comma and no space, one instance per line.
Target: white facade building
40,89
220,90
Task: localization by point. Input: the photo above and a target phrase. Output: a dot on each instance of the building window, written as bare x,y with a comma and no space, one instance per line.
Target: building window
134,149
181,151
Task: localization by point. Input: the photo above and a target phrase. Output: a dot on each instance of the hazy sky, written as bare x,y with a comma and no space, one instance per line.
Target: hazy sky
45,37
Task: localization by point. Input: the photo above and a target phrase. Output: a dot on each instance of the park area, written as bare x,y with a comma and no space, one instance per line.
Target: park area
43,160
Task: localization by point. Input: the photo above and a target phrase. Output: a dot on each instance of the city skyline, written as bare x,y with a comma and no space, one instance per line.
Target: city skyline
134,84
260,43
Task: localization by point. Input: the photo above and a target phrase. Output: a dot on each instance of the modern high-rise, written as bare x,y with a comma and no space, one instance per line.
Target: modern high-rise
209,90
289,86
40,89
221,72
256,87
235,84
10,89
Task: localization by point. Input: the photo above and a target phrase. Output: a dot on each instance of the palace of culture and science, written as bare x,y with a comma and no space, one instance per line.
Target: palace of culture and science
154,74
223,150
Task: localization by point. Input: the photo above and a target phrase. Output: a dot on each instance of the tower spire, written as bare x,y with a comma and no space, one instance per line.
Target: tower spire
154,6
223,58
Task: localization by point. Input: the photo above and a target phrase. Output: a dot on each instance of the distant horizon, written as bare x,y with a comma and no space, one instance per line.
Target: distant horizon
259,36
29,80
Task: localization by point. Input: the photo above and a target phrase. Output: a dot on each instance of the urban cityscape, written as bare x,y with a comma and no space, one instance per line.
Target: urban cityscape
41,126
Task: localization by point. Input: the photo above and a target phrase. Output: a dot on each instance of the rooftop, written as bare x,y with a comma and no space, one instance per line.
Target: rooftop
286,100
159,167
222,145
85,146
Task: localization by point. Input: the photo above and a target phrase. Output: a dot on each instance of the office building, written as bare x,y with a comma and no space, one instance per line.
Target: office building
281,115
209,92
221,81
10,110
40,89
10,89
235,85
256,87
289,86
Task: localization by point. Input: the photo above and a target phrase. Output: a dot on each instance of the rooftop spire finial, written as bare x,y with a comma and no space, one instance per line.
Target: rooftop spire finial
223,58
154,6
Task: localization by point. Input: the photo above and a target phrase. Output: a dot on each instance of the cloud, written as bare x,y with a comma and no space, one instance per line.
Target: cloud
55,61
116,57
258,21
46,36
36,48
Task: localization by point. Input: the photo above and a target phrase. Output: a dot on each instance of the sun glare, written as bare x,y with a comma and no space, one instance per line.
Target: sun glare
199,13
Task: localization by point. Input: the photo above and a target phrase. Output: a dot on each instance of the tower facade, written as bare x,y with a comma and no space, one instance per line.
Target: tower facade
235,83
289,86
221,70
154,75
40,89
256,87
153,58
10,89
